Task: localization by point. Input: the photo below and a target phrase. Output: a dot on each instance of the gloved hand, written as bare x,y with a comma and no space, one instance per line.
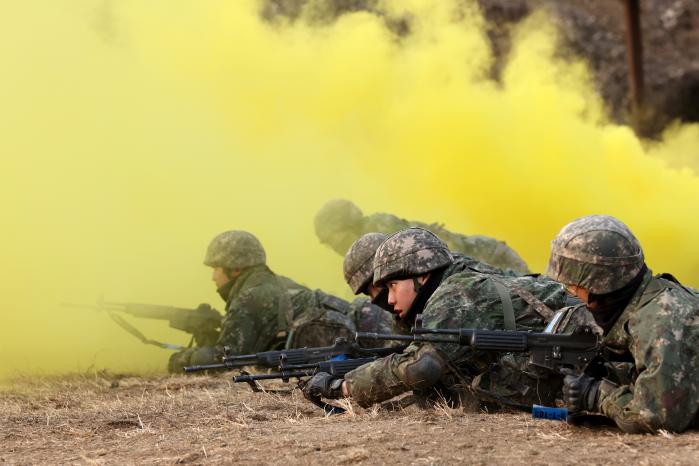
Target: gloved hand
581,392
323,385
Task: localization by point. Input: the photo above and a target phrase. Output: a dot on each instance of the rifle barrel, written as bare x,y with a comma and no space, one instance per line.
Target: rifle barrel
205,367
277,375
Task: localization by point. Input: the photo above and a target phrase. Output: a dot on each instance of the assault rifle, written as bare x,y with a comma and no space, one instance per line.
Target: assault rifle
336,367
341,347
203,323
548,350
575,352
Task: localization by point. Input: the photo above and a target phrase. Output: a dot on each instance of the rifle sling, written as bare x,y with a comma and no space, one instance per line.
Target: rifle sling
542,309
135,332
508,311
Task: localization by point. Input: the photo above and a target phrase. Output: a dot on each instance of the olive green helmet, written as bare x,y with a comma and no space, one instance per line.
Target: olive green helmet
410,253
597,252
235,250
338,223
358,266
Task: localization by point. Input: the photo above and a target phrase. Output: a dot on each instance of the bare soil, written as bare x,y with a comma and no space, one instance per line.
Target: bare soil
119,419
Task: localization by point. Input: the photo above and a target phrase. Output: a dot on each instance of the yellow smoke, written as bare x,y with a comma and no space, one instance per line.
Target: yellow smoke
133,132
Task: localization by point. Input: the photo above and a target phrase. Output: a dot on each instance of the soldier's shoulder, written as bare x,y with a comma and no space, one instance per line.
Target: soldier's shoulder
264,276
357,304
262,283
291,285
666,291
457,296
460,283
467,264
665,307
385,223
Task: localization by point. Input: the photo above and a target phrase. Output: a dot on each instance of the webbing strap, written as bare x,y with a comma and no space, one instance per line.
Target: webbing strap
135,332
542,309
508,311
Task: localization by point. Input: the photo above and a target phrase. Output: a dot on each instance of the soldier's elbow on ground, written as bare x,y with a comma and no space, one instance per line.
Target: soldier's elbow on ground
635,427
424,370
205,355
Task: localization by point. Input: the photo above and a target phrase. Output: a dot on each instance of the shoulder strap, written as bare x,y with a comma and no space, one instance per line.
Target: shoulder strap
508,311
542,309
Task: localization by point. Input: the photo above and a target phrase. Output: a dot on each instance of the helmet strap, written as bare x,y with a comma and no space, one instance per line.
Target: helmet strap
416,285
424,292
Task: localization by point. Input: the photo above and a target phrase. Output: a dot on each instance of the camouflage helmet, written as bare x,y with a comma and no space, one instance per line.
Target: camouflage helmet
597,252
235,250
338,215
359,261
410,253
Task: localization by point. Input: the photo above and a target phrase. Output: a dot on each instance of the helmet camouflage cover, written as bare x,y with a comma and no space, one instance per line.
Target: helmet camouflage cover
597,252
410,253
358,265
338,215
235,250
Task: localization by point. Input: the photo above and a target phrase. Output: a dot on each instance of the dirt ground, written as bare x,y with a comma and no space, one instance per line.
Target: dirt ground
119,419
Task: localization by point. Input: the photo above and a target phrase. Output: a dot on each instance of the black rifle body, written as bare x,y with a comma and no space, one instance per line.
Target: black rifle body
549,350
295,356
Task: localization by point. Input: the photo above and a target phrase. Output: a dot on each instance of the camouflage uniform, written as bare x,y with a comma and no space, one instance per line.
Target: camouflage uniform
359,315
466,300
339,222
318,318
654,339
258,308
368,317
258,311
471,295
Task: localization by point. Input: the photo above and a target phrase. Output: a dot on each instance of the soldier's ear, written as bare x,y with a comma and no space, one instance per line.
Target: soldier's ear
232,273
422,279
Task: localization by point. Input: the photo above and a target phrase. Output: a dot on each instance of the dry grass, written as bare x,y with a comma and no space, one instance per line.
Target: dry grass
116,419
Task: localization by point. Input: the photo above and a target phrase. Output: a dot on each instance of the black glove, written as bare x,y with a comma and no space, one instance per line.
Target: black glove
581,392
323,385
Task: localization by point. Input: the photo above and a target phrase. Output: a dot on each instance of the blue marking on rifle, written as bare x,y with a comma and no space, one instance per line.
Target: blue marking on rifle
549,414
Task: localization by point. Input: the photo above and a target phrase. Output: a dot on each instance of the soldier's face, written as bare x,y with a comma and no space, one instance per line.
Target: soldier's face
582,294
401,294
219,277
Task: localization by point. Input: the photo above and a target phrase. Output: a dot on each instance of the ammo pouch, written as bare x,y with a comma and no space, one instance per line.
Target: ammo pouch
319,320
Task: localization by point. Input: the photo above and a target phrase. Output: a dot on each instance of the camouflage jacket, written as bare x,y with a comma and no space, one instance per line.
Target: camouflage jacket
318,317
658,333
359,315
258,312
368,317
468,299
482,248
